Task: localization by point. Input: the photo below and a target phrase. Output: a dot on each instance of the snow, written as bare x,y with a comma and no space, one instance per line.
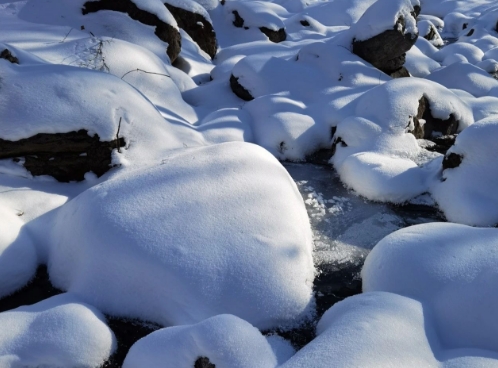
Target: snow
190,229
468,193
181,346
449,268
58,332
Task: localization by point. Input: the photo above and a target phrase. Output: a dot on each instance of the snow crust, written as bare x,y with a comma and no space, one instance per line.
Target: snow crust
58,332
220,229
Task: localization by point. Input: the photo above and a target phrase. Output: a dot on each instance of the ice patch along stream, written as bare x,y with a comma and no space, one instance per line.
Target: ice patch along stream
346,227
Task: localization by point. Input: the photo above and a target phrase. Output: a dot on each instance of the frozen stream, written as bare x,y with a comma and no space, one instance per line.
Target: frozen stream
345,228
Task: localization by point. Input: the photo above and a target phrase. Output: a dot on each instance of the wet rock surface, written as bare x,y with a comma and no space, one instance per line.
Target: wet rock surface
64,156
386,51
197,27
7,55
163,31
239,90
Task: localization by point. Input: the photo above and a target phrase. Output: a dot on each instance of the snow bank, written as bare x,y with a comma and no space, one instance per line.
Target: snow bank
18,258
57,332
220,229
257,13
227,341
451,269
468,193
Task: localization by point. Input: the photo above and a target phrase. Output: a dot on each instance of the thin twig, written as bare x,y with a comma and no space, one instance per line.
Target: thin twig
117,135
67,34
140,70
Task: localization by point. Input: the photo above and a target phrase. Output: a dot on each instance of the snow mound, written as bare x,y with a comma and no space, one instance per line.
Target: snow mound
376,142
468,193
379,329
57,332
453,275
18,258
218,229
227,341
257,13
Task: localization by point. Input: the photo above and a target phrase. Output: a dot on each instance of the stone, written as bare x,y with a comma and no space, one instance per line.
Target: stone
274,36
452,161
203,362
165,32
197,27
239,90
432,124
386,51
7,55
64,156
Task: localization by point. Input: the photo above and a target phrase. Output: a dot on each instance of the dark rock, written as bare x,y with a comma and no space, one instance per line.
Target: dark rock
432,124
65,156
320,157
127,332
274,36
7,55
471,32
416,10
238,21
203,362
464,26
432,33
38,289
197,27
239,90
164,31
337,141
386,51
304,23
400,73
442,143
452,161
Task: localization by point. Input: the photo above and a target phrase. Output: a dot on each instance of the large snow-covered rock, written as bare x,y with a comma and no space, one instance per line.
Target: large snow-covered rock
468,193
220,229
57,332
452,270
225,340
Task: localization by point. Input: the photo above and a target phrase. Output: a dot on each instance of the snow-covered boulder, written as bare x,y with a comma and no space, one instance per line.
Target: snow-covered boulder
452,270
225,341
57,332
376,142
385,32
218,229
468,193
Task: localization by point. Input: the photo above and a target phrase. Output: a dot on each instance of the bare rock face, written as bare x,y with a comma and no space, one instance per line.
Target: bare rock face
239,90
197,27
425,131
64,156
452,161
7,55
274,36
387,51
164,31
203,362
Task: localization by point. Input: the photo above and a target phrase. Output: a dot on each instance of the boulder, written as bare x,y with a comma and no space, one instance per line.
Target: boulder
198,27
64,156
387,50
165,32
7,55
274,36
432,124
239,90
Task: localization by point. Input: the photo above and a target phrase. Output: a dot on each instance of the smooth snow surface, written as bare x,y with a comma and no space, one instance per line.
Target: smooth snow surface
451,270
226,340
57,332
213,230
